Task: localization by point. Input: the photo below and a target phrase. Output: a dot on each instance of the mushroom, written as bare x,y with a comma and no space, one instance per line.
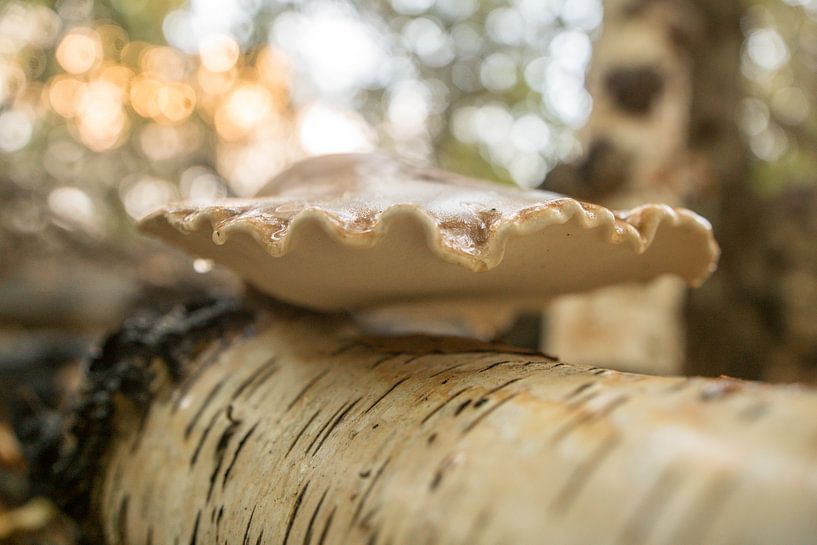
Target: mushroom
371,232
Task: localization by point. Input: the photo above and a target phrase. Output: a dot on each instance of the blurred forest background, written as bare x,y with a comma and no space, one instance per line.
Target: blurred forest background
109,108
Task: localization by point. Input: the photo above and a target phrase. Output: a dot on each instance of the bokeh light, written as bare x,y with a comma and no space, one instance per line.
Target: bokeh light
214,97
79,51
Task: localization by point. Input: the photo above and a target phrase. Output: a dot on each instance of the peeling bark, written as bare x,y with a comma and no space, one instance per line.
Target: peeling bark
294,429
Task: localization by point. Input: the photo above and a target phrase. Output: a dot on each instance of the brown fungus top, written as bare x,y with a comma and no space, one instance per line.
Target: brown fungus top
370,231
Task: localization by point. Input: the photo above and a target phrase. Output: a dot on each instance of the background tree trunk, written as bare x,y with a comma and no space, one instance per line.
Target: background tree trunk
731,320
641,80
289,428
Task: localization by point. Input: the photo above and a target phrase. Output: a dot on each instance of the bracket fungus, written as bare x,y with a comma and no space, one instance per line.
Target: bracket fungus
363,231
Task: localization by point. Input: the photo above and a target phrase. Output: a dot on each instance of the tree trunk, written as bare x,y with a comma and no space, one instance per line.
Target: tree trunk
212,426
731,320
641,80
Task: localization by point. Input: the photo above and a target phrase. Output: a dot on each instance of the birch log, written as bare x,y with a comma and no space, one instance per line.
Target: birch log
286,427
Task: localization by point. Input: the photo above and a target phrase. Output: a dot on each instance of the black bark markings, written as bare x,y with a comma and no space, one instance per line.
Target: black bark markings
706,511
194,537
461,407
345,347
414,358
444,403
447,369
365,496
325,425
219,516
383,360
373,538
335,424
485,414
585,416
187,384
241,443
221,450
200,411
305,389
122,519
386,393
326,526
203,438
295,508
484,399
246,539
269,369
493,365
583,400
581,474
649,509
578,390
300,433
252,378
311,525
447,462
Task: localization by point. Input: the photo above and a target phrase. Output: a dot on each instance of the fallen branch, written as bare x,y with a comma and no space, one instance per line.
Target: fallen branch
212,425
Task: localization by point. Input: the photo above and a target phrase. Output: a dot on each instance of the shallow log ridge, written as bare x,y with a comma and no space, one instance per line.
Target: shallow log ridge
292,429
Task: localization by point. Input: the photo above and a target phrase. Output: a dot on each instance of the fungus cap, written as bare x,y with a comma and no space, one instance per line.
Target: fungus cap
363,231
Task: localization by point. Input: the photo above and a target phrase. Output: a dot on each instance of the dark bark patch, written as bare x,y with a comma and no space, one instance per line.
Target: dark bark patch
603,171
635,89
64,455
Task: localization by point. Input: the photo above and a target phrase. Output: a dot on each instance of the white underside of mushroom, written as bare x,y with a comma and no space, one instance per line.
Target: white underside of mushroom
365,232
